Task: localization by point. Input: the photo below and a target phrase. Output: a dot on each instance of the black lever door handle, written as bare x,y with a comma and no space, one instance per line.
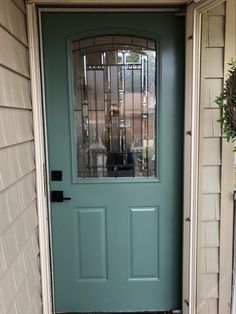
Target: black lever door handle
66,198
58,197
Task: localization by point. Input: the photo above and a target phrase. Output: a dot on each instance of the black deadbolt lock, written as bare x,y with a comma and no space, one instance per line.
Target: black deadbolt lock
56,175
58,197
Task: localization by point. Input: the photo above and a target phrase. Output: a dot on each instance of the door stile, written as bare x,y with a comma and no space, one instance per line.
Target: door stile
187,160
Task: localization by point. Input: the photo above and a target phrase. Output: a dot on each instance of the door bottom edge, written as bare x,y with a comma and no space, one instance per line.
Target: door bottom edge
127,312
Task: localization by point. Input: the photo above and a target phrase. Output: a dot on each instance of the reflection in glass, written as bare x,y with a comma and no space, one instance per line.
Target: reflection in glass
115,106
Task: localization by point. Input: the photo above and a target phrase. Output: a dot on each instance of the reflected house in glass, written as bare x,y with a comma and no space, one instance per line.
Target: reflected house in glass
115,106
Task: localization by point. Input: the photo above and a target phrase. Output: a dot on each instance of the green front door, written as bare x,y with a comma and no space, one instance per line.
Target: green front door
114,115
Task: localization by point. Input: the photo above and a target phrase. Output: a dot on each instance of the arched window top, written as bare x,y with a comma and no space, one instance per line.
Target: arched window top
103,43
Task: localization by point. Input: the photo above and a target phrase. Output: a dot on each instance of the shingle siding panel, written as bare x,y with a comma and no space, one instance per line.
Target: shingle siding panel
16,126
14,55
209,288
20,291
15,162
2,261
2,310
212,72
216,31
19,270
210,260
13,20
211,176
210,88
14,90
12,309
211,152
208,306
10,248
20,4
8,289
212,127
210,207
5,216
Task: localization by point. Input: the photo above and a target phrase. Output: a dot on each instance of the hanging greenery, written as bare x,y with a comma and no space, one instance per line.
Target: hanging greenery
227,102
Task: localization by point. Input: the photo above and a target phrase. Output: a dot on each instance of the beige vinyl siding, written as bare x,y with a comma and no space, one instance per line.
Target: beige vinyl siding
19,249
211,82
227,180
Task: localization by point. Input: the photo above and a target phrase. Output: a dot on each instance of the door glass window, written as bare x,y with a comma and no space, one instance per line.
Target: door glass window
114,84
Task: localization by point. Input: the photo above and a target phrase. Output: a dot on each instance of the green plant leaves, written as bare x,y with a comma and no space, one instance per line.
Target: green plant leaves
227,103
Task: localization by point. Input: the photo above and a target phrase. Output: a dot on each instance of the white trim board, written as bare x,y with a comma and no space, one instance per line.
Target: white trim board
39,142
106,3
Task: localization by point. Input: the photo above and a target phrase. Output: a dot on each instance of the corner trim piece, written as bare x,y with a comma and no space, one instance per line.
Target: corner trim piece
42,206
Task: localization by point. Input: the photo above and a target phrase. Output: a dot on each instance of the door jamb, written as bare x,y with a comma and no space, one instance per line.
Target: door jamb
41,179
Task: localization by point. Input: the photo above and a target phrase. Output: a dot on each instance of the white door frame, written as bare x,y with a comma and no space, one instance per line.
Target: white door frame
191,140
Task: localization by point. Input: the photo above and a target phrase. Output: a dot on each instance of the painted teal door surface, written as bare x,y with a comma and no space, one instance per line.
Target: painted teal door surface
116,244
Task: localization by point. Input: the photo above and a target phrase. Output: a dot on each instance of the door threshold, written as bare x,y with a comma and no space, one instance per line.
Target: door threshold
130,312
